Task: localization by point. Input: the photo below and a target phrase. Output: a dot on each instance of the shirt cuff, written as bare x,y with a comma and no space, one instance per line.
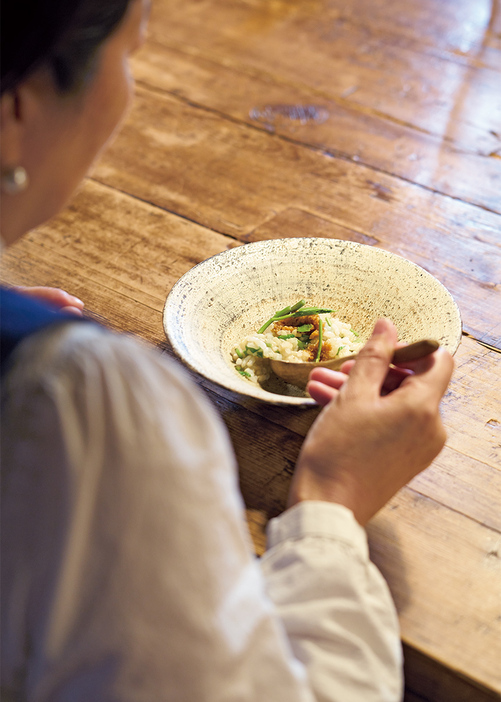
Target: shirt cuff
312,518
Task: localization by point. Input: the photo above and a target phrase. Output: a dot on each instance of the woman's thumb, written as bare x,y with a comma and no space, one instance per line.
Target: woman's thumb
371,366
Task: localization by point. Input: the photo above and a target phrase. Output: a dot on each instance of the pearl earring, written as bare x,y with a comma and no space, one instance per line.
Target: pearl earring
14,180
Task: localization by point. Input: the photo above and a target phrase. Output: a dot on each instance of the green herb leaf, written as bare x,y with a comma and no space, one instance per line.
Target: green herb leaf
286,336
313,310
245,373
298,305
254,352
305,328
239,353
304,312
280,314
265,326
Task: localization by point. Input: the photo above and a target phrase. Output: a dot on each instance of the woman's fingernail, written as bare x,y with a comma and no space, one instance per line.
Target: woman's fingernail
380,327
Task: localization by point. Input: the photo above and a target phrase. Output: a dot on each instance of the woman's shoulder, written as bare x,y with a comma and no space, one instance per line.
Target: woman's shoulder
73,353
90,369
40,343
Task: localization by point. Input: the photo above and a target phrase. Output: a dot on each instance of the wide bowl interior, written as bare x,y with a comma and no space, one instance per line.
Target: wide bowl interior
224,298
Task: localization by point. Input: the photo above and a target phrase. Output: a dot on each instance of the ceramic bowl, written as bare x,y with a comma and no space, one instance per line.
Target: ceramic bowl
221,300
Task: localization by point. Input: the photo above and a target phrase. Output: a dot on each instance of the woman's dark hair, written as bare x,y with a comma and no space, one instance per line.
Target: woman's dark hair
63,35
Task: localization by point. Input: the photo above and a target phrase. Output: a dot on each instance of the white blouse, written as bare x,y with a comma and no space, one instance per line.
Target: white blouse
127,567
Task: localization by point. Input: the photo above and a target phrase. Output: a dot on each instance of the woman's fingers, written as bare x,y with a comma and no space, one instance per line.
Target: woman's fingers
371,368
73,310
431,375
394,379
374,373
324,384
54,296
332,378
321,393
346,367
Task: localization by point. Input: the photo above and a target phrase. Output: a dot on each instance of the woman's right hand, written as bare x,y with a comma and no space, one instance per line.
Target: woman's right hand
370,440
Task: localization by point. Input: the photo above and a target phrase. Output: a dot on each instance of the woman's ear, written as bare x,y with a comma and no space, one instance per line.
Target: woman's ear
14,167
11,126
23,113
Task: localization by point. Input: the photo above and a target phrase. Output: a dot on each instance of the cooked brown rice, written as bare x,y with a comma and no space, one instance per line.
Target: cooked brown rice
251,355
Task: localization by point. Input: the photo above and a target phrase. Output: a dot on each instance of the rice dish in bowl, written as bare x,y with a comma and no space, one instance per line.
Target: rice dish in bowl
296,334
222,301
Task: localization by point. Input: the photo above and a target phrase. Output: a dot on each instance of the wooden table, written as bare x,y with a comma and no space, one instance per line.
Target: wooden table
364,120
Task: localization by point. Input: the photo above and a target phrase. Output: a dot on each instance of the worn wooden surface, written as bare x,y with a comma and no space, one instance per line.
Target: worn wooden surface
269,118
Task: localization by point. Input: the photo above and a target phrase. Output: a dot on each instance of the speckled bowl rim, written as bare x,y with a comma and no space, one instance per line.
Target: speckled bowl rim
240,386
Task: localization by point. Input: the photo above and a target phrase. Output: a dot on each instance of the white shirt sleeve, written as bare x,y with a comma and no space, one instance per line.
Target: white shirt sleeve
334,603
127,572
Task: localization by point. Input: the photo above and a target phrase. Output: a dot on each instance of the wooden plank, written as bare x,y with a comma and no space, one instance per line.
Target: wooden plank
255,176
459,31
427,680
336,126
410,696
404,84
449,605
462,32
476,383
459,27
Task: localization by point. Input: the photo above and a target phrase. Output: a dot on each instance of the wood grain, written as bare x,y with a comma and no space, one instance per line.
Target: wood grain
389,62
329,123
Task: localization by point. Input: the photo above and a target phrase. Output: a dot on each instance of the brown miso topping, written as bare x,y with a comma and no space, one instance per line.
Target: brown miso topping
283,328
289,325
324,353
312,352
326,350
